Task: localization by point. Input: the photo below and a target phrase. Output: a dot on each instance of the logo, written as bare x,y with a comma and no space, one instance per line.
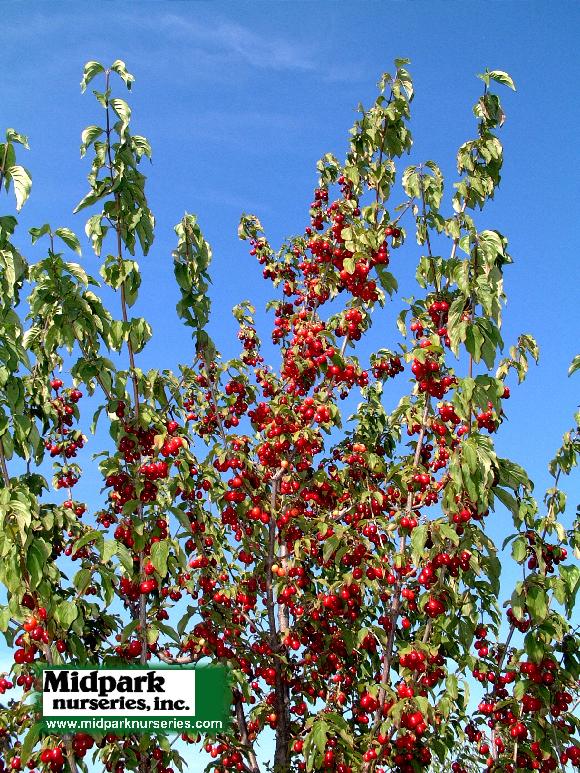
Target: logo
170,699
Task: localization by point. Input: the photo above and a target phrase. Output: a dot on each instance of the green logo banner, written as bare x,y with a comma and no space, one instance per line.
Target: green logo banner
134,699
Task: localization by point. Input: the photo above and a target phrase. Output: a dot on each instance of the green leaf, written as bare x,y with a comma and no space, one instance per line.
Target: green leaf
79,273
449,533
66,613
386,279
469,455
330,545
410,182
13,136
35,561
575,365
36,233
120,68
456,326
159,554
21,513
537,602
88,136
125,557
123,111
570,574
349,265
168,631
30,740
128,630
22,184
513,476
519,549
517,605
4,618
500,77
520,690
559,589
418,540
316,743
69,238
91,69
533,647
109,550
91,536
249,227
451,686
82,580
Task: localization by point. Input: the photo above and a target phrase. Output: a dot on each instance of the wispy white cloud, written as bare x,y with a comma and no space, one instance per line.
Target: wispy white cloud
231,40
210,46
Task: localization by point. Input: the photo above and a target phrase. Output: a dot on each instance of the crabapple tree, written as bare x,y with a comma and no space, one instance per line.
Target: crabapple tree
342,566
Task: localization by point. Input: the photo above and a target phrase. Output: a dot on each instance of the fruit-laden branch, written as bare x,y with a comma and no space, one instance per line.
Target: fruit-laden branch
396,608
46,648
67,740
282,752
243,730
512,628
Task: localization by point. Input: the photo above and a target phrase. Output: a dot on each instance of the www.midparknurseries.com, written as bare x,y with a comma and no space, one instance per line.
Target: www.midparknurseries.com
102,725
128,700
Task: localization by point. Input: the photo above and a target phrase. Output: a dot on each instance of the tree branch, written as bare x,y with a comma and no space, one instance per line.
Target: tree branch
243,730
3,466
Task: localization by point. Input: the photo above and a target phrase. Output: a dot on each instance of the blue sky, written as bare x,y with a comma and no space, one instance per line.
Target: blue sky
239,100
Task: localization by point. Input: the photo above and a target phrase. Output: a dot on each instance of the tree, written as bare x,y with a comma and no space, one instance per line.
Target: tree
341,567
